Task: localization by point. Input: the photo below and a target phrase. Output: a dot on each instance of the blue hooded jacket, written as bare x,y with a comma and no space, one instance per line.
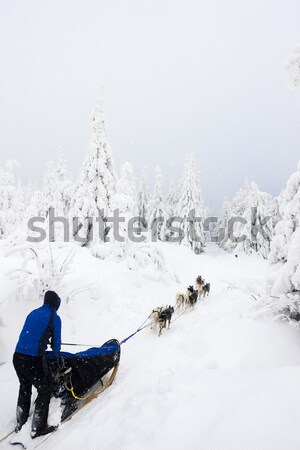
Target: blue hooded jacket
42,326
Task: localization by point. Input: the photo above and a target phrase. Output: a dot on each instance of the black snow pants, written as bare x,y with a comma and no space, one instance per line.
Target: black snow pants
33,371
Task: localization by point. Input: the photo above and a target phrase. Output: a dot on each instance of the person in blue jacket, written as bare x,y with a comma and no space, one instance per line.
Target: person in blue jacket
42,327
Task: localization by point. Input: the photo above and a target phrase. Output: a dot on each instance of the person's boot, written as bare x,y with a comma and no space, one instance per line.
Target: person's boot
18,428
47,430
70,406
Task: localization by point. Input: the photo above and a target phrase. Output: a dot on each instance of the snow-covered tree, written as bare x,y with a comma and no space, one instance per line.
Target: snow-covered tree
289,210
190,208
57,193
125,201
156,209
137,253
49,187
95,186
223,223
171,200
248,221
27,193
37,204
258,227
285,246
170,206
10,207
265,217
22,201
42,268
285,250
64,185
292,66
125,197
143,199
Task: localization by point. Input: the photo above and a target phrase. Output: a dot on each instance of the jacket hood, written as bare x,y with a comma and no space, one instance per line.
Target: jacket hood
52,299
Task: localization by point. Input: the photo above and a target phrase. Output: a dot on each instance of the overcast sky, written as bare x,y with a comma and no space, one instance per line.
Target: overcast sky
180,77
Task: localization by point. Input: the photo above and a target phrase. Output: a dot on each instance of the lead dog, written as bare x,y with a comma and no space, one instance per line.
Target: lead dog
206,290
165,318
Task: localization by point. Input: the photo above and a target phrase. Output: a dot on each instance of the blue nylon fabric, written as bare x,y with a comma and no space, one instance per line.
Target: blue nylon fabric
106,349
34,329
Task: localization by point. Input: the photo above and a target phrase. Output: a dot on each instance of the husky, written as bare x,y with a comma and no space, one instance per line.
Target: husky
200,282
165,318
154,316
180,300
191,297
206,290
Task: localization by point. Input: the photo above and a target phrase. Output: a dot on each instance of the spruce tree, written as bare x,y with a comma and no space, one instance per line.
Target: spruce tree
157,210
10,213
190,208
143,201
95,186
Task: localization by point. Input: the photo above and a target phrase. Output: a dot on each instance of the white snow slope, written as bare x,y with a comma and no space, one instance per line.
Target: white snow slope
224,377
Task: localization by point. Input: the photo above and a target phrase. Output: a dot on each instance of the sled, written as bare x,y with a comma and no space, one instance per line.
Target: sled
77,380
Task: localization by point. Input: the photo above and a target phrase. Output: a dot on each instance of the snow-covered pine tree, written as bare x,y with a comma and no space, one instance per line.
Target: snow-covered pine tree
10,213
251,211
264,219
223,223
240,210
289,211
285,249
36,206
143,200
190,208
157,209
65,185
293,68
57,190
49,187
124,200
22,202
95,186
171,202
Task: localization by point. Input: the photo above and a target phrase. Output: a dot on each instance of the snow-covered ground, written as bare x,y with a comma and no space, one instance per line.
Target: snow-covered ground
224,377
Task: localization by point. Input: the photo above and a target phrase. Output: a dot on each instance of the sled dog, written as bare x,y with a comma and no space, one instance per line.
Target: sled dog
180,300
154,316
200,282
165,318
206,289
191,297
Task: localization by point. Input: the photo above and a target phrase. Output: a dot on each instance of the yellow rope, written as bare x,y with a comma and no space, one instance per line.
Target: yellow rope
75,396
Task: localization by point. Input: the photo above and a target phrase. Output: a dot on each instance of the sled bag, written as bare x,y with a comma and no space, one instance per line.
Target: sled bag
89,366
